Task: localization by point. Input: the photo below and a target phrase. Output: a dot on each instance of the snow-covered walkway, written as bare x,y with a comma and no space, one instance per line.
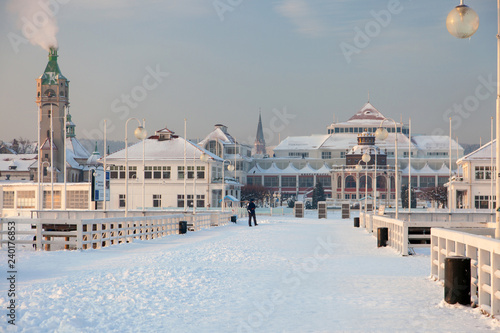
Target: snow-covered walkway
285,275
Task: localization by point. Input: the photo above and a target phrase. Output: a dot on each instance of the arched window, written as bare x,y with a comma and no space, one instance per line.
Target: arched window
362,182
393,183
339,182
381,183
50,93
214,147
350,182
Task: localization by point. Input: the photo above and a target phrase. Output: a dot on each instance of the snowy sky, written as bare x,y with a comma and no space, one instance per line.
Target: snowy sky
300,62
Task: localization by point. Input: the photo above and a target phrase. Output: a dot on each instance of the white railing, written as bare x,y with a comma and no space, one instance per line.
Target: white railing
47,234
400,232
484,253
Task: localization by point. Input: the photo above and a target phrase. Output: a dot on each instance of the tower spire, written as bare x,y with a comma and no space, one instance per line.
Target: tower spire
260,142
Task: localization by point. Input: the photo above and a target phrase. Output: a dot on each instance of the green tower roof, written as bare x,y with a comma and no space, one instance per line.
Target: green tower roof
52,72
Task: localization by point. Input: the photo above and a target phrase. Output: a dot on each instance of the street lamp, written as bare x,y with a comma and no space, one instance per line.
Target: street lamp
469,23
382,134
140,133
462,21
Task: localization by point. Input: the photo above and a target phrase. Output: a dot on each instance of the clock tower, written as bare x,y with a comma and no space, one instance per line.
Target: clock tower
52,100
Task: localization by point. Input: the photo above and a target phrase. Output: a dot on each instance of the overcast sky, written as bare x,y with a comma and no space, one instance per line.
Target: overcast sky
301,62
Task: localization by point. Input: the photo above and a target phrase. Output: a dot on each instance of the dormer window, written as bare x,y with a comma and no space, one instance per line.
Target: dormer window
12,167
165,136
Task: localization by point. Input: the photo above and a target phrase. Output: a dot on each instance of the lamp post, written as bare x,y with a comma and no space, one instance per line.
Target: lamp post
43,164
381,134
230,167
140,133
364,158
463,22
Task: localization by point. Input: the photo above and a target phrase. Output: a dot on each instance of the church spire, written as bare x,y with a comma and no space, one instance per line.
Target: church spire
260,142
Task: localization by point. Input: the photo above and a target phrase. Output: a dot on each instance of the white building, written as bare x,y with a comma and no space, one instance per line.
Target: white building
171,174
475,186
220,143
430,155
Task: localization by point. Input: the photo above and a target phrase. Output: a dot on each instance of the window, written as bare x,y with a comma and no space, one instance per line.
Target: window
483,172
342,154
156,200
132,172
339,182
326,155
350,182
190,172
77,199
306,181
180,173
298,154
271,181
213,147
157,172
148,172
232,150
437,153
8,199
190,200
180,200
427,181
117,171
483,201
47,199
12,167
381,183
442,180
405,154
26,199
254,180
166,172
362,184
324,181
200,172
288,181
121,200
200,200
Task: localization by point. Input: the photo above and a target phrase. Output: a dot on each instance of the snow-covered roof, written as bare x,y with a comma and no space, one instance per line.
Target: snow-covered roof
19,162
46,145
482,153
367,112
302,142
340,141
219,134
162,150
325,169
434,142
427,170
76,148
289,170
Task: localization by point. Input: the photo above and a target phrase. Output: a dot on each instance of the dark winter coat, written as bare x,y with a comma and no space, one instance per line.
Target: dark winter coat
251,208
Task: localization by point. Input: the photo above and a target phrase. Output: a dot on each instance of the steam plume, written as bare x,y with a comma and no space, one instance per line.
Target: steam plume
37,21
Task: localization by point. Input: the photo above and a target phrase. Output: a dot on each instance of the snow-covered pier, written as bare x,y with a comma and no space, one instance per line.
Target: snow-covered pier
285,275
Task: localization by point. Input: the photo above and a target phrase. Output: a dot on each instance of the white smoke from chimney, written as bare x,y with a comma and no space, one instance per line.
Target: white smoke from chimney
37,20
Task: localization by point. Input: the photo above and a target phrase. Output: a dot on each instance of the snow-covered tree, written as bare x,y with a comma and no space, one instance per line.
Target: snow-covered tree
318,195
